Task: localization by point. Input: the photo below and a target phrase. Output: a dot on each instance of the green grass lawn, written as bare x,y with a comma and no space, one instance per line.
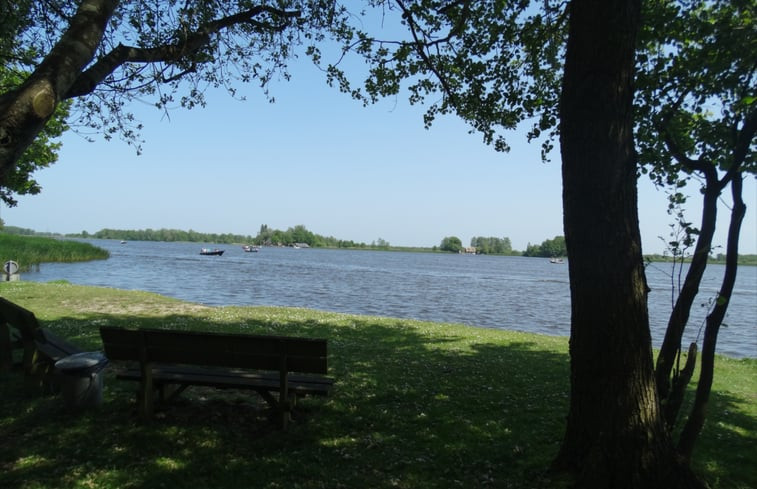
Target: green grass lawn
415,405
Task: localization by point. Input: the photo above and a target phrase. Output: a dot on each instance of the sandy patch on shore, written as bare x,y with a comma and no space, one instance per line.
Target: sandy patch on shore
145,308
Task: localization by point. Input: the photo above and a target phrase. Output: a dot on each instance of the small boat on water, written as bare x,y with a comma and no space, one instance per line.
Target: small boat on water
251,249
556,261
208,251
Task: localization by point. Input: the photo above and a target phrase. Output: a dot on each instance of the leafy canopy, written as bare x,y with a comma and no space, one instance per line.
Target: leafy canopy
696,89
494,63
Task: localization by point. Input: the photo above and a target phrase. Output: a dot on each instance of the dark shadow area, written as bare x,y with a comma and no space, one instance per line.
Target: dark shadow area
411,408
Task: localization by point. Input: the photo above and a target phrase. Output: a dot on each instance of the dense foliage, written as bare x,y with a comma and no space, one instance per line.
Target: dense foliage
696,105
495,63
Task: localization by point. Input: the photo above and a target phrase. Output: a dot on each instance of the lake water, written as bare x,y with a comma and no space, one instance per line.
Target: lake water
527,294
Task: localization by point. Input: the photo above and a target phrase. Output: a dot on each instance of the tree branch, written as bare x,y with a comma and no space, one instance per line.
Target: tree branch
745,138
420,45
185,46
25,110
672,145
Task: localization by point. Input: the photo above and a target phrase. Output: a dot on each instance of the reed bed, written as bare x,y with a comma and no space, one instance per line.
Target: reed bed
30,251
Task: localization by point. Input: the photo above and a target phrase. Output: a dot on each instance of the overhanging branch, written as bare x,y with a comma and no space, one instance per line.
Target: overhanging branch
420,45
187,45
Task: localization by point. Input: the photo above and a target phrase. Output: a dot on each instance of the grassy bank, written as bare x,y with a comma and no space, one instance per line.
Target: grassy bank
415,405
30,251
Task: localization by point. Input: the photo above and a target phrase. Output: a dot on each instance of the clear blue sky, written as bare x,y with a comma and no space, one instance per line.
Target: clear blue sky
318,158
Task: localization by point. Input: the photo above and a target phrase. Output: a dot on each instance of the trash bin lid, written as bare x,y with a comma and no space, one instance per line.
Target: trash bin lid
86,361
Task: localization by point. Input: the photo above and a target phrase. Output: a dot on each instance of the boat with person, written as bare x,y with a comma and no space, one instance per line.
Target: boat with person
208,251
556,261
251,248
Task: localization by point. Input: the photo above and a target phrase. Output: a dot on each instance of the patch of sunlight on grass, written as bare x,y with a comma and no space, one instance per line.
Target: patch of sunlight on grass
338,442
209,443
168,463
730,430
30,461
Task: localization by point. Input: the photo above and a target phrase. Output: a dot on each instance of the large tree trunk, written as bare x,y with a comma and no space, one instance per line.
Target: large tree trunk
26,110
615,435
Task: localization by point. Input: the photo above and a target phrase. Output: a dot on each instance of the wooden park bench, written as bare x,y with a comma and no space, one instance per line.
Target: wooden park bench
20,330
179,359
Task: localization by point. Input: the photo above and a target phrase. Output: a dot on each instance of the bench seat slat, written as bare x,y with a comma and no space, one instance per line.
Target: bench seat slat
267,381
54,347
236,359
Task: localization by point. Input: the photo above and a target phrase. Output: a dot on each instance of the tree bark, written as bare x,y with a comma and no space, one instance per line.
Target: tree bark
24,111
615,435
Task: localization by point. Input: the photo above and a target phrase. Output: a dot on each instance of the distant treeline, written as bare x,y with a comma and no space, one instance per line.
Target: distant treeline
554,247
299,234
502,246
25,232
170,235
266,237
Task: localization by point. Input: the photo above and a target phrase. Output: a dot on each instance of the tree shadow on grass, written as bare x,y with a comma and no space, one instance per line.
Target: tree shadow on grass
409,409
412,407
726,450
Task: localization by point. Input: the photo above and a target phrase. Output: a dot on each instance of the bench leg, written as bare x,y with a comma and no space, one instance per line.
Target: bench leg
285,412
145,401
268,397
282,407
168,394
146,396
39,374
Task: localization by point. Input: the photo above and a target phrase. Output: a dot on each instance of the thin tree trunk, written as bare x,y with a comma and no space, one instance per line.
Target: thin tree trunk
679,317
694,424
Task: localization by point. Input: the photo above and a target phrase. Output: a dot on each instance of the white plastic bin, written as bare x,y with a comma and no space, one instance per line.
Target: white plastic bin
81,379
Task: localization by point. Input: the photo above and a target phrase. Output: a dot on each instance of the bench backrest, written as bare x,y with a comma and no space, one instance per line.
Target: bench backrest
304,355
21,319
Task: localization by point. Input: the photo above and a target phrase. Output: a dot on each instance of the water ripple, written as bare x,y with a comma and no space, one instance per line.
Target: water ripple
527,294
